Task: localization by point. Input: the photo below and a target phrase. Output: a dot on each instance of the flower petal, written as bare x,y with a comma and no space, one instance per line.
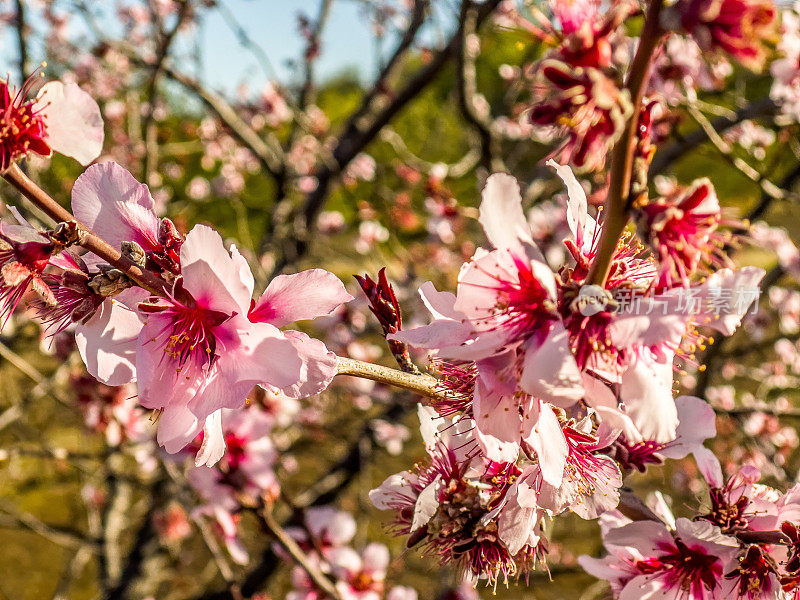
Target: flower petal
646,392
548,441
550,371
108,199
318,366
299,296
497,423
213,446
501,215
73,121
177,426
211,275
107,343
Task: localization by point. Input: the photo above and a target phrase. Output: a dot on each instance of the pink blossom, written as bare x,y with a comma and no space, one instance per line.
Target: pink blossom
247,465
505,303
72,119
63,118
360,576
682,231
689,561
738,27
431,503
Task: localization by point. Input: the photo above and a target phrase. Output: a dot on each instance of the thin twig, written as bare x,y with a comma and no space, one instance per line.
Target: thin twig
290,546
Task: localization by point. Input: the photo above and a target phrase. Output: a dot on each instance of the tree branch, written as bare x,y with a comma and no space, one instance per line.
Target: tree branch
92,242
615,209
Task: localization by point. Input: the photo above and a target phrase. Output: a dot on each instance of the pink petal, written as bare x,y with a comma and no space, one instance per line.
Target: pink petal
318,366
375,559
300,296
580,223
429,423
273,358
646,537
709,466
177,426
73,121
600,397
646,392
743,287
547,439
158,381
697,423
501,214
497,423
440,304
109,200
107,343
212,276
648,587
213,446
550,371
384,496
427,504
439,334
627,330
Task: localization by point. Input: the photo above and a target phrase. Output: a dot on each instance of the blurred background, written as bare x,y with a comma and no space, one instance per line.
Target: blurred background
350,135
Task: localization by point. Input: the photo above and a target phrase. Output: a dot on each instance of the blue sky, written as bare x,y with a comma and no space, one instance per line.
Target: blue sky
347,41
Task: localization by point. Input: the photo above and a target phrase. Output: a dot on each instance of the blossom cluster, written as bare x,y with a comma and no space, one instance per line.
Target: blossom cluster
196,342
743,543
548,382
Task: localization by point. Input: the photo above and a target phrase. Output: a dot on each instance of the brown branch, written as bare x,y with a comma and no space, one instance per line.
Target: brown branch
311,54
466,88
92,242
741,411
22,40
665,157
379,88
615,209
424,385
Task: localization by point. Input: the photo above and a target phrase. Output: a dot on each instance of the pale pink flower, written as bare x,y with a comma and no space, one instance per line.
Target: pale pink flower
689,563
325,530
273,105
390,435
402,592
63,118
505,302
360,576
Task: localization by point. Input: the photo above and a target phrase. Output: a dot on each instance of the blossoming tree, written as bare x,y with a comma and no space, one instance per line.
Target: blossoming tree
604,210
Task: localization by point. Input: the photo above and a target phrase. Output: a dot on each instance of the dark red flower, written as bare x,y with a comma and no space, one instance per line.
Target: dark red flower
739,27
22,127
584,104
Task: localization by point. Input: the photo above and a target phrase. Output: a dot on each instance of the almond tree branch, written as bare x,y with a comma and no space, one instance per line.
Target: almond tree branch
356,137
22,40
92,242
424,385
724,148
312,50
615,209
151,89
467,89
665,157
